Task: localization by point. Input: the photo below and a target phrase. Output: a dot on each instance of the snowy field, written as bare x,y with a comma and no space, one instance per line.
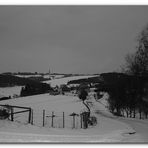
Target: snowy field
107,129
53,76
61,81
48,102
27,76
44,76
15,132
10,91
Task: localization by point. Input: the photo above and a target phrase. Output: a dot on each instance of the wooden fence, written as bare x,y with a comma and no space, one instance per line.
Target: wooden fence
14,110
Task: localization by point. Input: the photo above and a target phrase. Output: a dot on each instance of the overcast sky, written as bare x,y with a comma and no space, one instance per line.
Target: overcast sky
68,39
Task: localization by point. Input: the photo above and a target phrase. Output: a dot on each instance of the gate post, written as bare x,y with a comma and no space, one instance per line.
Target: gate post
43,118
29,118
63,120
81,118
32,116
52,116
85,119
12,119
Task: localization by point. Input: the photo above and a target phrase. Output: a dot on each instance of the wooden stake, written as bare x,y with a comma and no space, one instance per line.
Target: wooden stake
73,121
43,118
52,116
81,120
32,116
12,114
63,120
29,118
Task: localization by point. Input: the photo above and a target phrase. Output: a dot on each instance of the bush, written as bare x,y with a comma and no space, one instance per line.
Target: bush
92,121
4,112
34,89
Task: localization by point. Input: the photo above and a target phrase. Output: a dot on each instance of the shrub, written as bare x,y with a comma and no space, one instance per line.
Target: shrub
92,121
34,89
4,112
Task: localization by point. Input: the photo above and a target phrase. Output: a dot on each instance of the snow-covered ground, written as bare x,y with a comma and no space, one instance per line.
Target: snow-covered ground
16,132
107,130
55,76
139,126
10,91
65,80
27,76
48,102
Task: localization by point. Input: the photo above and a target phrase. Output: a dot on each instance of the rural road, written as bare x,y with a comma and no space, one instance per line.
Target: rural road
140,126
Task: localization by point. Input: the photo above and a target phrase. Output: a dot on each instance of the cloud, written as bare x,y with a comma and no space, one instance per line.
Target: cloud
70,38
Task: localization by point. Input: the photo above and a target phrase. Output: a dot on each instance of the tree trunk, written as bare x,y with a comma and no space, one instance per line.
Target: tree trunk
87,107
146,115
127,113
140,113
130,113
134,112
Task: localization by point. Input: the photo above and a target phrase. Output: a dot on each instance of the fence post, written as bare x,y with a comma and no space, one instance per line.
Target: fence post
12,114
52,116
73,121
32,116
81,120
85,120
29,118
43,118
63,120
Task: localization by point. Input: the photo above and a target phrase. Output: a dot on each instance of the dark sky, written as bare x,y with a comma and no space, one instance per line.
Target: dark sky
68,39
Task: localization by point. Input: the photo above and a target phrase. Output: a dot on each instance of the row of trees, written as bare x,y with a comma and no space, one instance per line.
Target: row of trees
125,94
35,89
128,91
137,66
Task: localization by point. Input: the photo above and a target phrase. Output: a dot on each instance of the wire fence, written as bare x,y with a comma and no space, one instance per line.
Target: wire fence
55,119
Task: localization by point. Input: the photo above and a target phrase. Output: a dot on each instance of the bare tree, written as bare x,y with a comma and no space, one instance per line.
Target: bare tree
83,96
137,66
137,63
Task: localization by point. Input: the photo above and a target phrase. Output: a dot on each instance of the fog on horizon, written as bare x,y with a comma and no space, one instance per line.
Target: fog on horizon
68,39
